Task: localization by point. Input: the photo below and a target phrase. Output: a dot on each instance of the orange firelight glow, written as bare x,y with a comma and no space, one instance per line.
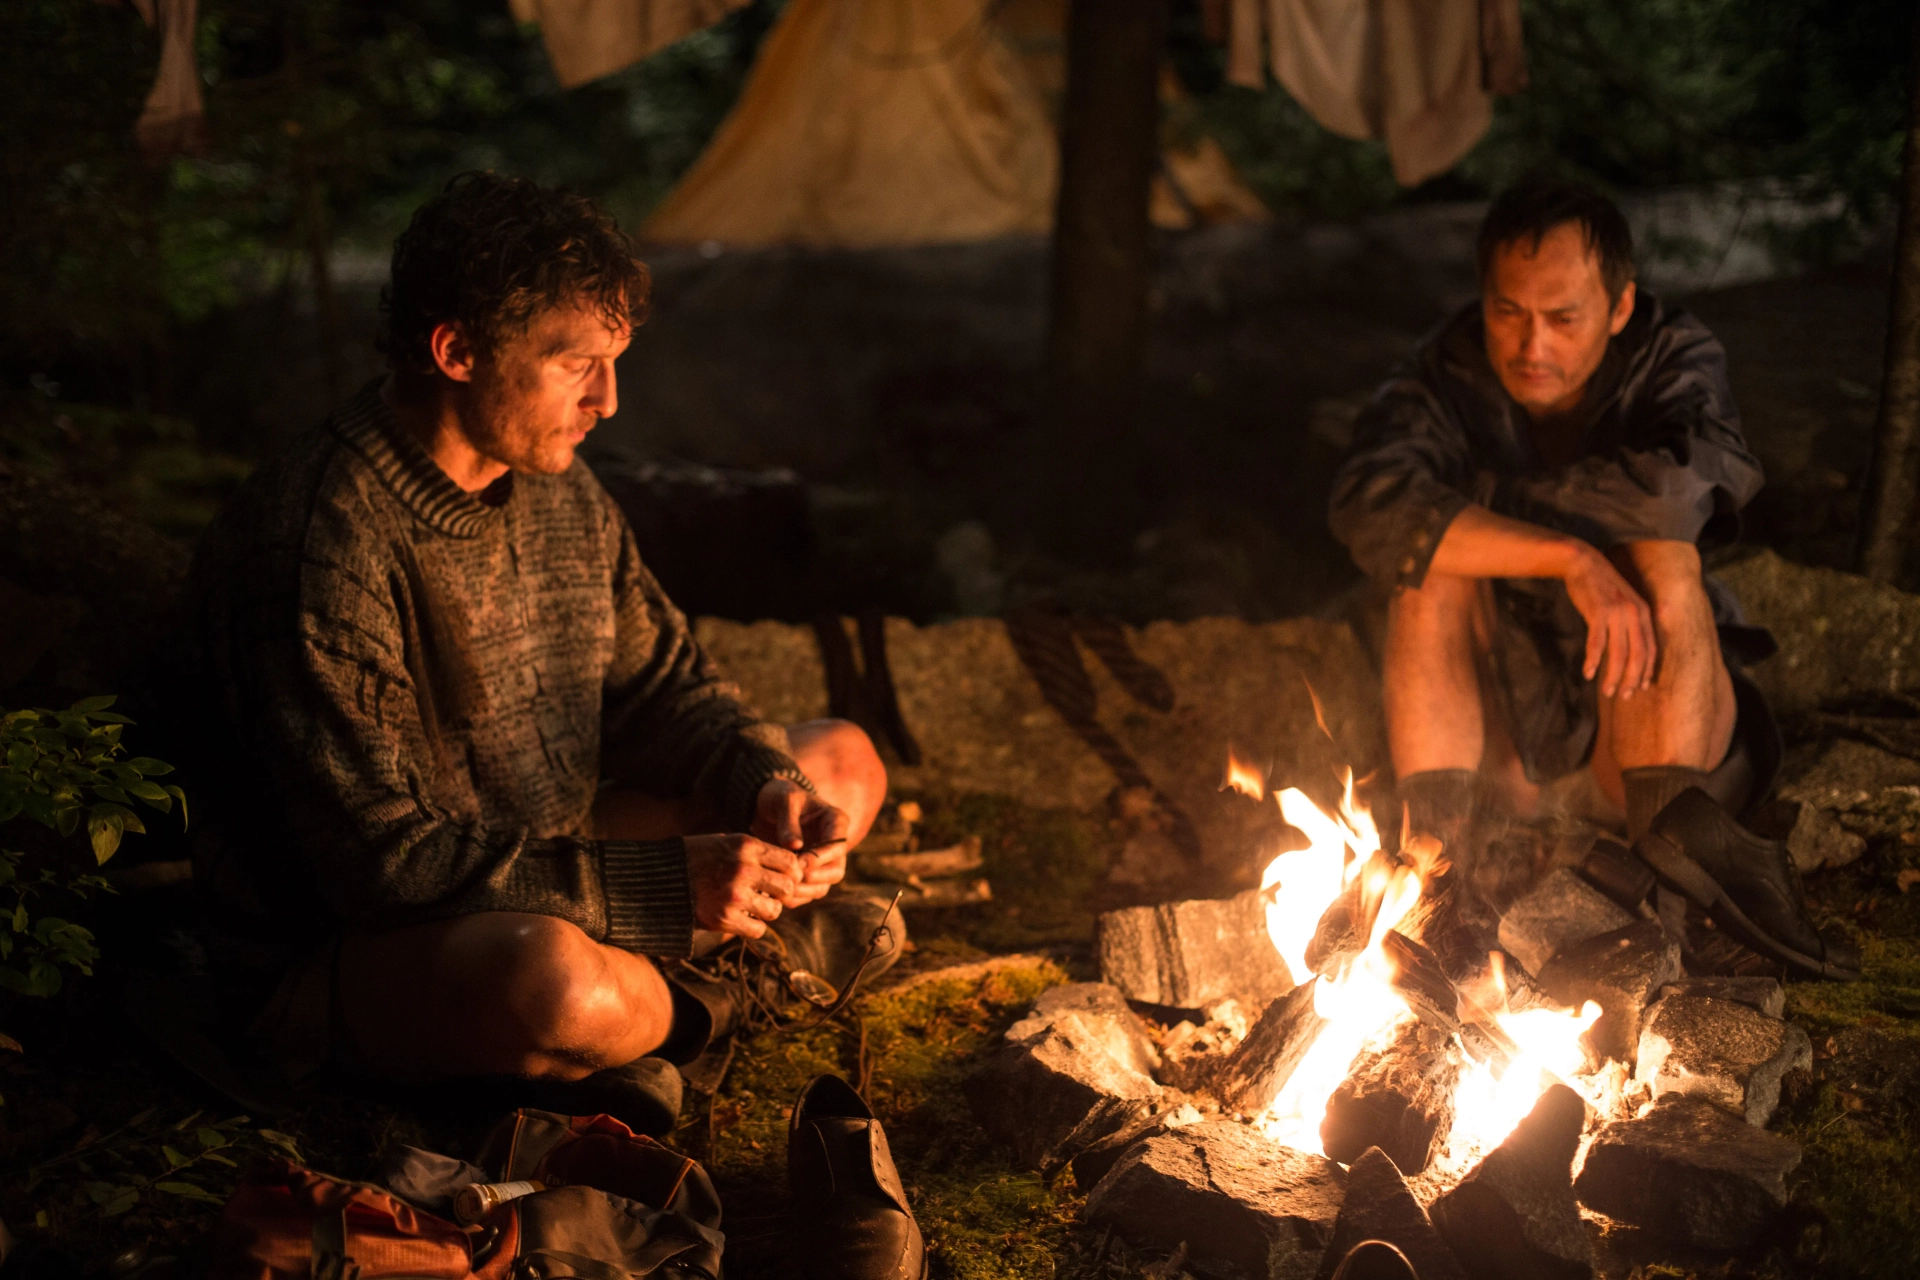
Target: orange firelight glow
1361,1004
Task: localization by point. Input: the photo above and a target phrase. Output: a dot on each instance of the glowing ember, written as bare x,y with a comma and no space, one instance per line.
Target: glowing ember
1360,1003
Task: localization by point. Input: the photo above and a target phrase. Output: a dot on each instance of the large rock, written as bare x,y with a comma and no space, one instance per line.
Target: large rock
1621,970
1513,1217
984,727
1690,1172
1561,910
1814,836
1380,1207
1721,1051
1103,1014
1877,791
1193,954
1764,994
1059,1091
1840,635
1232,1197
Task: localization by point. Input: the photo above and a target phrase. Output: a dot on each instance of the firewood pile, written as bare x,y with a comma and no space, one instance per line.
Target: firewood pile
1157,1086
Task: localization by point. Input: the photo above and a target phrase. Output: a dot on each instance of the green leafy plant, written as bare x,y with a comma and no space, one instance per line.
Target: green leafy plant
66,770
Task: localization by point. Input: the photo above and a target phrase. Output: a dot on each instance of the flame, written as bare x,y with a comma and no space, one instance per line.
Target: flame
1300,883
1361,1005
1244,778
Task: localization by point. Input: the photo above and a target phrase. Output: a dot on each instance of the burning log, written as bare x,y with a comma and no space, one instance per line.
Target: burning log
1398,1097
1341,934
1421,982
1267,1058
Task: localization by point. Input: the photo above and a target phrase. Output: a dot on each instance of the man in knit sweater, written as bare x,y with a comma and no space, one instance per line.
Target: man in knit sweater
472,772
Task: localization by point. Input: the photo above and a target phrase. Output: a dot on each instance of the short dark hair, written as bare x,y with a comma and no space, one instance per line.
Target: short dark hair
492,253
1531,209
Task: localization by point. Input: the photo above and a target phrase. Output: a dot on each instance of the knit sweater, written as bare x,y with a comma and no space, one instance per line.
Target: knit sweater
407,696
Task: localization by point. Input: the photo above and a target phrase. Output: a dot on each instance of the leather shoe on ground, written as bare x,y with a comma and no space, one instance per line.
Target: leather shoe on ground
1748,885
850,1211
1375,1260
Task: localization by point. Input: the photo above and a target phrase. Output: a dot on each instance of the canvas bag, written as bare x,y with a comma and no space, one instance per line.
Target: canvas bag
617,1206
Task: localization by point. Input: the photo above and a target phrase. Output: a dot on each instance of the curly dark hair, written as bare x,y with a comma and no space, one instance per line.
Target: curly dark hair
1530,209
492,253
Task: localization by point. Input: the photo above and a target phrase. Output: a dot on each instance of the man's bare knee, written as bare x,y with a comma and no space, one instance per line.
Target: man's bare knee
840,760
571,1000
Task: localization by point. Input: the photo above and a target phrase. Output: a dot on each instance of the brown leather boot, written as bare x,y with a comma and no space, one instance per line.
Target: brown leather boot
850,1211
1748,885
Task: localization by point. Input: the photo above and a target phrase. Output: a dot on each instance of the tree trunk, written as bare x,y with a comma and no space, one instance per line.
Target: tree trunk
1890,484
1096,340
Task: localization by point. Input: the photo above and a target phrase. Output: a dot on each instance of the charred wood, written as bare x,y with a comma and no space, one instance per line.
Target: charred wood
1398,1097
1267,1058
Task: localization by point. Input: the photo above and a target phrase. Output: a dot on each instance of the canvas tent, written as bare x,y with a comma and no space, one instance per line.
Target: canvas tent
881,122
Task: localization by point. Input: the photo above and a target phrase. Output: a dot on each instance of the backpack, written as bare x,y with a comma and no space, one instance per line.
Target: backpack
613,1205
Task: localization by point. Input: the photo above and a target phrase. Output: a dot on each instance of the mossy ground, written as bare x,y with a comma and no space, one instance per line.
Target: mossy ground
105,1108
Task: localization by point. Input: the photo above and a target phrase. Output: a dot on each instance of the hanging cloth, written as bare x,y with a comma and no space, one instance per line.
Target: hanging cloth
1418,73
174,120
587,39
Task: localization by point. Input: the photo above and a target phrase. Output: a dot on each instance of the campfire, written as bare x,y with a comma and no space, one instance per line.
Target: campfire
1377,1046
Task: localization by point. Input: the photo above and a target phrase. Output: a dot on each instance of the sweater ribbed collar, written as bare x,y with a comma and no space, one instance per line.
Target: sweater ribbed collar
367,423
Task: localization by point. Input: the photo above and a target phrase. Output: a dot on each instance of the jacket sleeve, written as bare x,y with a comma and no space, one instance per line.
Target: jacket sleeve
348,759
669,717
1408,476
1681,471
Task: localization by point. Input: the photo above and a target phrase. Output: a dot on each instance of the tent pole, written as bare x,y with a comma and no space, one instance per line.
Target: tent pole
1886,519
1097,324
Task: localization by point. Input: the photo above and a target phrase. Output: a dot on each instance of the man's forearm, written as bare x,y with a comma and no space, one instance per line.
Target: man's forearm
1481,544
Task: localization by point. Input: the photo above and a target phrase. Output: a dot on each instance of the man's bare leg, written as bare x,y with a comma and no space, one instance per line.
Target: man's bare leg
1685,718
506,993
1432,680
497,993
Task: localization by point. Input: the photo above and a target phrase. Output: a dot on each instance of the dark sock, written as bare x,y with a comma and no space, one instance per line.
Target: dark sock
1651,789
1440,803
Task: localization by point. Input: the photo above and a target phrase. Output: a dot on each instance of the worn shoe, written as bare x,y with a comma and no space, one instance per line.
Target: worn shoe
1748,885
1375,1260
849,1209
644,1095
824,944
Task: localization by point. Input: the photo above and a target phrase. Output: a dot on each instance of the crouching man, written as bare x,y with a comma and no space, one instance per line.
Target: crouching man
475,780
1535,488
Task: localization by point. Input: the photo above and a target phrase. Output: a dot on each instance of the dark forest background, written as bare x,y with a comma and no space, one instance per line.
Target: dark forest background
134,297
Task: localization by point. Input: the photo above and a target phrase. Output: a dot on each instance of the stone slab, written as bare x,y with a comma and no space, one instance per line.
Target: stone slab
1057,1092
1623,971
1840,635
1690,1172
1379,1206
1763,994
1561,910
1234,1199
1722,1051
1192,954
1102,1011
1513,1217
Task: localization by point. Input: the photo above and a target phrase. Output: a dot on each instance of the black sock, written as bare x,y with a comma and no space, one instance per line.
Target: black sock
1651,789
1440,803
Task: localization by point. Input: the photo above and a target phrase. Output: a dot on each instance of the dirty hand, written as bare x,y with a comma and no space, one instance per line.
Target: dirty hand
791,817
740,883
1621,649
